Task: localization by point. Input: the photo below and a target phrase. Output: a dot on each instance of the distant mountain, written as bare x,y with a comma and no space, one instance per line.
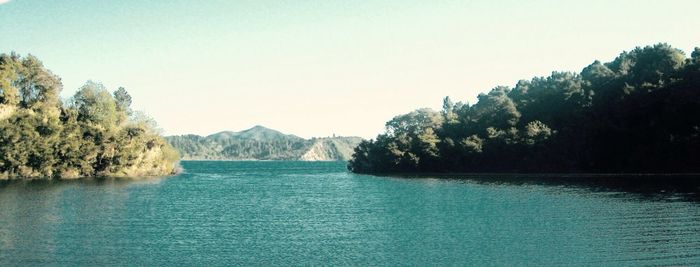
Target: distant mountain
261,143
258,133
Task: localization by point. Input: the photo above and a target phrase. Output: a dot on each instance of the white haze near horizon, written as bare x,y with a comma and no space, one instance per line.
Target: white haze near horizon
318,68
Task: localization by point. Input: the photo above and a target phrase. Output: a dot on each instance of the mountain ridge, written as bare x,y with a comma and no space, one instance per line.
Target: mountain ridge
262,143
257,132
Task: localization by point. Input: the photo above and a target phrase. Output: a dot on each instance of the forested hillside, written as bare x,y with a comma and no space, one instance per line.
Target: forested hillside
260,143
637,113
95,133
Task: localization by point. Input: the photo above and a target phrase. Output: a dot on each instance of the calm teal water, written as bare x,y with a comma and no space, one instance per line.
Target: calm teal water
301,213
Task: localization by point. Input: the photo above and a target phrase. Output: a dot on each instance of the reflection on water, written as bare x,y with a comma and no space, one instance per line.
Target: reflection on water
263,213
651,187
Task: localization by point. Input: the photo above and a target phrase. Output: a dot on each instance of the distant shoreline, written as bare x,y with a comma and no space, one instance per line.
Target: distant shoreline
481,175
260,142
535,175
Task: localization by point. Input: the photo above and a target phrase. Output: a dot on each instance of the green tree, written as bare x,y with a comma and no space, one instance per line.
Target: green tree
95,105
9,94
93,136
38,87
123,99
638,113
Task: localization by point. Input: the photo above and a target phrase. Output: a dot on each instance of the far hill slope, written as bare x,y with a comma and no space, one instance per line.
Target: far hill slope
332,148
260,143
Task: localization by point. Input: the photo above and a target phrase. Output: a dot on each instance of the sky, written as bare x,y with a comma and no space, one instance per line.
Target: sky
318,68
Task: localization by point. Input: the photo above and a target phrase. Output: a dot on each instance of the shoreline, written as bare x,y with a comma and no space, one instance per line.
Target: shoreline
253,160
534,175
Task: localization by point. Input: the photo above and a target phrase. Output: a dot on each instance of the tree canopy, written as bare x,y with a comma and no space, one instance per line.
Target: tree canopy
93,134
638,113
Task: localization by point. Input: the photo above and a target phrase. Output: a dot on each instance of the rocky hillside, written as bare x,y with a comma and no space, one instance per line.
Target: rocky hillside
332,148
260,143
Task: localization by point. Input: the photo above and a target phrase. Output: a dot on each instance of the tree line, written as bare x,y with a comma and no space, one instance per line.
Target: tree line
94,133
637,113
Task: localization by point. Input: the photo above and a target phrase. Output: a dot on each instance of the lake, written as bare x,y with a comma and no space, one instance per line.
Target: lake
317,213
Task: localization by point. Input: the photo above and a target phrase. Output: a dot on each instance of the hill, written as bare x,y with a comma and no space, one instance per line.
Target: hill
261,143
258,133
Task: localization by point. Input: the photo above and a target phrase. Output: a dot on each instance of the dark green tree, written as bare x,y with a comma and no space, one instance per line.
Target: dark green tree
638,113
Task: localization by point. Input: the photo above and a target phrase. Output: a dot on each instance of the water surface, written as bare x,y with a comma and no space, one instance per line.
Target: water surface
312,213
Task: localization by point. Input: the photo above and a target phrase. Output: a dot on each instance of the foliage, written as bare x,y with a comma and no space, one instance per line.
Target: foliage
638,113
41,138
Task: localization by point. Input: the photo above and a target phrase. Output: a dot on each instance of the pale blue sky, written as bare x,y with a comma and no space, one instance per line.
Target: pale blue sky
314,68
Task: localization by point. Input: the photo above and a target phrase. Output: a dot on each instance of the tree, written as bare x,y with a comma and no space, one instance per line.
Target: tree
123,100
95,105
414,123
638,113
38,87
42,139
536,131
496,109
9,94
695,56
448,111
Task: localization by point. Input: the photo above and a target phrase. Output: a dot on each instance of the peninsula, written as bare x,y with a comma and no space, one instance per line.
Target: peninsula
93,134
639,113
